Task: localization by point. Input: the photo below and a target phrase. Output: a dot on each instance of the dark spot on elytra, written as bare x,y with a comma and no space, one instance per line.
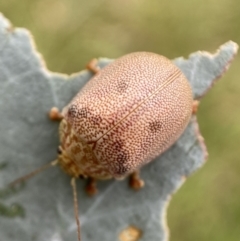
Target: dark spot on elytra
95,120
72,111
155,126
117,146
121,166
122,157
122,86
83,113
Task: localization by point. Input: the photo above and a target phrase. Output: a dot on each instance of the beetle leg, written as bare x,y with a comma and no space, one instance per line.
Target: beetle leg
195,107
91,188
135,181
92,66
55,115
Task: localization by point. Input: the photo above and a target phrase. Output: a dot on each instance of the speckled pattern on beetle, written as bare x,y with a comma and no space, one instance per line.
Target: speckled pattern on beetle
127,114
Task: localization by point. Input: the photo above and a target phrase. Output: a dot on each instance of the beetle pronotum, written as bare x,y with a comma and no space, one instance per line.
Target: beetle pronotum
127,114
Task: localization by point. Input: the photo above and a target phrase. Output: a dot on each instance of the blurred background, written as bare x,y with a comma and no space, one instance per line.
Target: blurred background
69,33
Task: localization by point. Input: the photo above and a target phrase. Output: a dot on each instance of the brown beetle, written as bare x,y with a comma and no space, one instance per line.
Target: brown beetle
127,114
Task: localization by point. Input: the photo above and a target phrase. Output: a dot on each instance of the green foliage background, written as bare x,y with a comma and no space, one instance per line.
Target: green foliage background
71,32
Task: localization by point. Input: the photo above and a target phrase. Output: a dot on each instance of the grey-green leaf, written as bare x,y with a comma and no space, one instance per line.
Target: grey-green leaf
210,67
29,139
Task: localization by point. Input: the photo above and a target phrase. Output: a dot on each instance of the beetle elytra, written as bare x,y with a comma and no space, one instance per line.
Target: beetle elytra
127,114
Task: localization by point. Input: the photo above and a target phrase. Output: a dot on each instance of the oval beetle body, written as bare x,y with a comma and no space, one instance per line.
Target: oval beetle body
127,114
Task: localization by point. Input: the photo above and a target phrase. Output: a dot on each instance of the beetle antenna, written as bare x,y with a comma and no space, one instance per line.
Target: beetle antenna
33,173
75,201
